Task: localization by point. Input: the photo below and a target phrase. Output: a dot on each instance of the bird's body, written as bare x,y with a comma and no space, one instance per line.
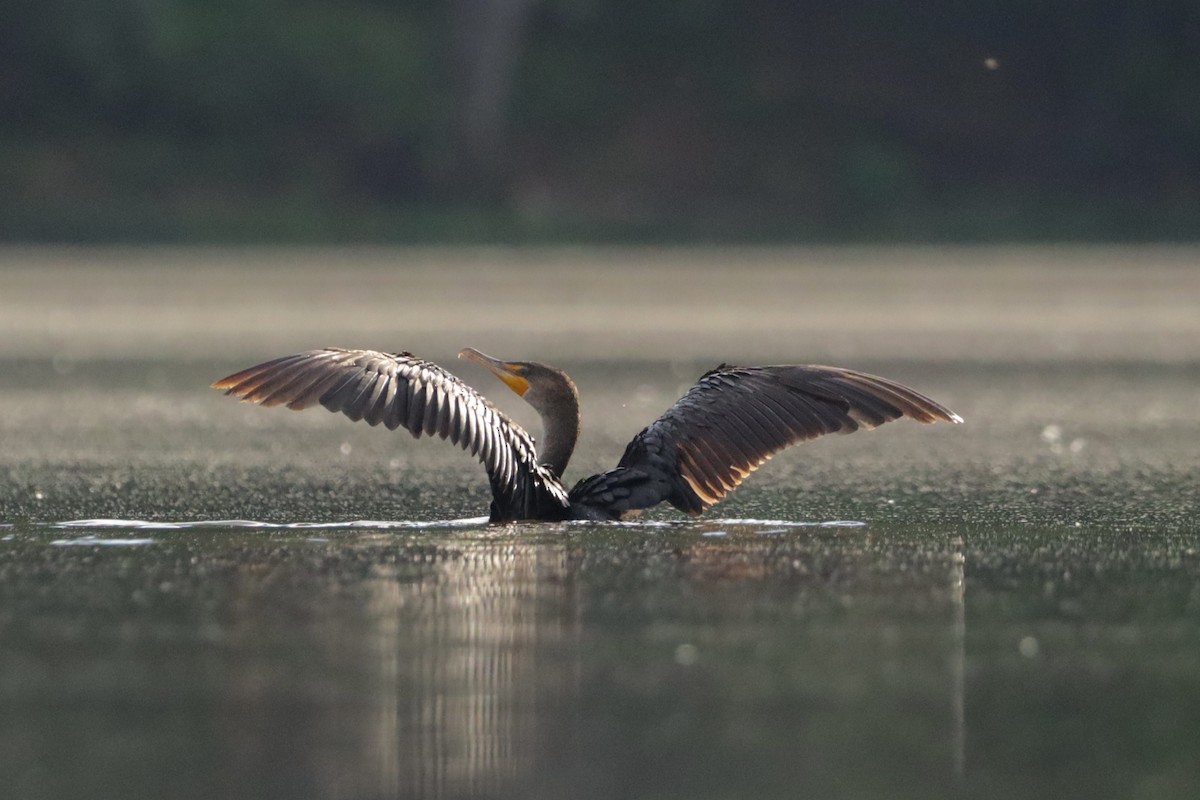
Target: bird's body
722,429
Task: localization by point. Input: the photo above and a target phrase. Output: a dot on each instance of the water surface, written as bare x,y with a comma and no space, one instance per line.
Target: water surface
205,599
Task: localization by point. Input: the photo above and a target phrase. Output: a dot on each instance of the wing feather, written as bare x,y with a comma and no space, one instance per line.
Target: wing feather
468,423
397,409
386,401
310,394
271,385
416,406
372,408
401,390
733,420
432,408
454,420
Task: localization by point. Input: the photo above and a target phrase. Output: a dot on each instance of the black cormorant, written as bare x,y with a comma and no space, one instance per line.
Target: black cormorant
722,429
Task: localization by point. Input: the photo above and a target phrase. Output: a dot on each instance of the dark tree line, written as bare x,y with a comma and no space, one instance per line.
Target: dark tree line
524,118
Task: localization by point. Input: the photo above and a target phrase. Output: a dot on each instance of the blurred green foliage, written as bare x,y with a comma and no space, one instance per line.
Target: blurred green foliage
712,119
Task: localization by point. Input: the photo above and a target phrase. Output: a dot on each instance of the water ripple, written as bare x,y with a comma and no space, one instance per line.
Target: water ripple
137,524
762,526
96,541
783,523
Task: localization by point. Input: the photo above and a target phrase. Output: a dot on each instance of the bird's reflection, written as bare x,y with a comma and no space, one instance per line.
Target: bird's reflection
468,657
459,670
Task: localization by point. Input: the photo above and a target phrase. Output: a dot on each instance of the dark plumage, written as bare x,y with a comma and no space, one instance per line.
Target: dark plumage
721,430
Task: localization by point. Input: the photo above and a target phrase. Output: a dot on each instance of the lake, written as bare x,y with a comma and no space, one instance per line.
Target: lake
201,598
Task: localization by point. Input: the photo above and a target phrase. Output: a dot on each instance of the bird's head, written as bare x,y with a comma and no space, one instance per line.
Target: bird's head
539,384
551,393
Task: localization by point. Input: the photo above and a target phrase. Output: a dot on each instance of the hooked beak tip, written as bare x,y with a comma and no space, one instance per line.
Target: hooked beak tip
499,368
474,355
471,354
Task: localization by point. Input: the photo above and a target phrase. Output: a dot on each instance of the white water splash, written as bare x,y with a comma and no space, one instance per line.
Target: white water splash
767,526
783,523
747,523
119,523
137,524
96,541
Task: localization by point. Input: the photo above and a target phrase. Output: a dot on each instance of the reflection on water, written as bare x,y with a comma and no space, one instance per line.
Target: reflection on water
592,661
463,672
487,663
490,654
958,662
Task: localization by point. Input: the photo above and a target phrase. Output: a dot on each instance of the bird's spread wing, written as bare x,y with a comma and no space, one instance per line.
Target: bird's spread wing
400,390
733,420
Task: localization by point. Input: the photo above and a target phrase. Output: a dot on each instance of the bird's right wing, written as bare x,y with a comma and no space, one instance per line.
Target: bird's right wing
733,420
400,390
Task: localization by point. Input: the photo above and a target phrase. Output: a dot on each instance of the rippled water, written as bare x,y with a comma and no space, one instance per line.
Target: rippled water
203,599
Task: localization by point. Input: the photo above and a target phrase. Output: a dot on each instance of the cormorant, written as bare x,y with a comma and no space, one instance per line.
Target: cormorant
721,430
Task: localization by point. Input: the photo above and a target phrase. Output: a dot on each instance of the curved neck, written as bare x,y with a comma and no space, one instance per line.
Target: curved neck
559,411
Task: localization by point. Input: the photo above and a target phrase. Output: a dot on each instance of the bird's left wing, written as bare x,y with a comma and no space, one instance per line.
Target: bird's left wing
733,420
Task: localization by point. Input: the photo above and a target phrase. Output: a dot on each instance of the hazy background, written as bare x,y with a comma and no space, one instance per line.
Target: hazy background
576,120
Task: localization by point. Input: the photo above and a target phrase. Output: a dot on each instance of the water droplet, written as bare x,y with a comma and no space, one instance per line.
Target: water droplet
1028,647
346,448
